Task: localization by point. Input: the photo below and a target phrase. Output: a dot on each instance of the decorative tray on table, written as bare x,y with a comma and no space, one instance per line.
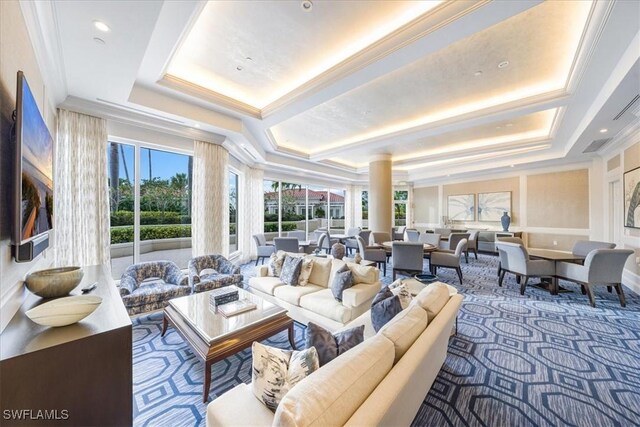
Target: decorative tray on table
426,278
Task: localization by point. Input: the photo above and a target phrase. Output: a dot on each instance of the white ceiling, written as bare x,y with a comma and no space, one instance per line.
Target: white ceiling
326,89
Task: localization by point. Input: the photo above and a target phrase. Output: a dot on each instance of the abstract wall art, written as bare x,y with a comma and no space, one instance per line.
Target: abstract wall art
491,206
632,198
461,207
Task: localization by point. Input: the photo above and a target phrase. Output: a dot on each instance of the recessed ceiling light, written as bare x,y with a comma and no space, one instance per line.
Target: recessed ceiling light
503,64
239,68
99,40
508,125
513,166
101,26
604,130
478,73
498,127
248,58
197,125
306,5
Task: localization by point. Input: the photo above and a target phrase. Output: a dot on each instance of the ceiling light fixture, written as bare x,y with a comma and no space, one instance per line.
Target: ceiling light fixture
503,64
512,166
604,130
508,125
478,73
99,40
197,125
306,5
101,26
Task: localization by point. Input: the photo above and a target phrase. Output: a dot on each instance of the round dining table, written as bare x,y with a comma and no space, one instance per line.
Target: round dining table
428,248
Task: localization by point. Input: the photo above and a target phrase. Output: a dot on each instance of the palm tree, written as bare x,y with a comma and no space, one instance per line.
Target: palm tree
114,175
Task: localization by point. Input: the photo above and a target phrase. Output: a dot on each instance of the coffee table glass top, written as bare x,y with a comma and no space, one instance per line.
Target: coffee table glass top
211,326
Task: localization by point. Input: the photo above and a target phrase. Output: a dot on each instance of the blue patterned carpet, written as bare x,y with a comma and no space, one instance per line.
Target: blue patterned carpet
537,360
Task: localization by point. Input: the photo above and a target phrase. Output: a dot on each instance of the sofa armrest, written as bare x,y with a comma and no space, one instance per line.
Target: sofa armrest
262,271
360,294
227,267
194,274
127,285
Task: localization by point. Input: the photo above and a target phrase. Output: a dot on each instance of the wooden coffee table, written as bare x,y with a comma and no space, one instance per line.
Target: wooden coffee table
214,337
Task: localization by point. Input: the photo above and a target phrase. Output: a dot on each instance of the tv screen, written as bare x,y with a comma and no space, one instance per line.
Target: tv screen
34,187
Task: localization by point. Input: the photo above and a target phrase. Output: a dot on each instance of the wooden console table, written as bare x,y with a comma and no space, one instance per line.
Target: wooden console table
84,369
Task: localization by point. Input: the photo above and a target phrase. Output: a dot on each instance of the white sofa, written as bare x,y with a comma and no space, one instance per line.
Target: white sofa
315,302
381,382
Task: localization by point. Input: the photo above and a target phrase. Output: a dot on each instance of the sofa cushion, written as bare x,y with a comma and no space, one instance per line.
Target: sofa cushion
384,307
432,298
238,407
320,272
341,281
276,371
328,345
360,294
332,394
363,273
292,294
324,304
291,270
404,329
265,284
305,271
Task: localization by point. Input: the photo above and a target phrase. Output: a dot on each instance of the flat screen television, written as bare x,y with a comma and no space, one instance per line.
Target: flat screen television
34,170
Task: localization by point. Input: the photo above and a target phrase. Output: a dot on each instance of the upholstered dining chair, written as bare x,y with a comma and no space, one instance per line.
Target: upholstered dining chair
298,234
398,232
448,259
518,262
472,242
352,244
325,242
287,244
372,253
502,256
601,267
454,238
411,235
431,239
583,247
264,251
378,238
407,258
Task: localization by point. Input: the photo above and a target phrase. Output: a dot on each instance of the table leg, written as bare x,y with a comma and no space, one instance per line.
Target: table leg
207,381
165,323
292,337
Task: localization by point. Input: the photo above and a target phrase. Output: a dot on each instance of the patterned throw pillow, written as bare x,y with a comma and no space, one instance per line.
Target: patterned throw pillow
399,288
291,270
276,371
328,345
275,266
341,281
384,307
305,271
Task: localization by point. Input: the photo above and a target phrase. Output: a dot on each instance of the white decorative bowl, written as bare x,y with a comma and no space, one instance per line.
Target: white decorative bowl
64,311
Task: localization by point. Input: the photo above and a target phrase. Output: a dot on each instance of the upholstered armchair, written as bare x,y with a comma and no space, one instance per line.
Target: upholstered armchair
372,253
208,272
378,238
325,242
352,244
149,286
411,235
502,256
472,243
440,259
398,232
264,250
287,244
517,262
584,247
407,258
601,267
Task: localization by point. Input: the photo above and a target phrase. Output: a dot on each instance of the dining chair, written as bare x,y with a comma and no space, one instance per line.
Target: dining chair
431,239
325,242
372,253
299,234
518,262
502,257
398,232
583,247
407,258
441,259
601,267
472,242
411,235
379,237
454,239
352,244
263,250
287,244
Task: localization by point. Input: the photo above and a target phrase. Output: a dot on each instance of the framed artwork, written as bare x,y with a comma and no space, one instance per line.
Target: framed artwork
632,198
491,206
461,207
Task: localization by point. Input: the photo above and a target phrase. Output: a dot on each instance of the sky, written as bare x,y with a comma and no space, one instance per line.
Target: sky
37,145
164,165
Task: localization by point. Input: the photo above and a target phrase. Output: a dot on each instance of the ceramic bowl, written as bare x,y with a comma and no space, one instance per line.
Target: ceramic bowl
55,282
64,311
426,278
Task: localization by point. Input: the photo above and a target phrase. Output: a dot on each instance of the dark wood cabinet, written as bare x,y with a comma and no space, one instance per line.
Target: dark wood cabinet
79,374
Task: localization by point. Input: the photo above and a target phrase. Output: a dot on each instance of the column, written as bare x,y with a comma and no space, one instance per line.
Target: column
380,193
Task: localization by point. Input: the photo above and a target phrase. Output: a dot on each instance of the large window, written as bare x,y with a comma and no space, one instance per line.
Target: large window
163,219
400,199
365,209
233,212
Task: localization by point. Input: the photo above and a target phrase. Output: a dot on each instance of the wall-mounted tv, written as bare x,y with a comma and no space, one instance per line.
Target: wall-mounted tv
34,171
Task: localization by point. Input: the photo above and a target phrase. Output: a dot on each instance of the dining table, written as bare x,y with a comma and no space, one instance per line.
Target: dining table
428,248
555,256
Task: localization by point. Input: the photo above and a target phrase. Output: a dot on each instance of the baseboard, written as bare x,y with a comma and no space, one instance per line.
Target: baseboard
631,280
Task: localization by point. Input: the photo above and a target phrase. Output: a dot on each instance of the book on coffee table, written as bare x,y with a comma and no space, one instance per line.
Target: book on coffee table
236,307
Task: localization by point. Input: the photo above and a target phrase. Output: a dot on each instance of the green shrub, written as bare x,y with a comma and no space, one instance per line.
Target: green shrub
119,218
149,232
272,227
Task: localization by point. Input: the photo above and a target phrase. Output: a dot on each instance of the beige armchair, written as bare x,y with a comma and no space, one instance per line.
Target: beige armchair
448,259
517,262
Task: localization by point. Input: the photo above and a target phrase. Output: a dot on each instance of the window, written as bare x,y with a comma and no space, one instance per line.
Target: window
336,210
233,212
400,207
271,206
159,225
365,209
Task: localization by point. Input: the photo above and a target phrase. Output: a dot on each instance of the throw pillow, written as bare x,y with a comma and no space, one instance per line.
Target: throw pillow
275,266
363,273
276,371
399,288
384,307
291,270
341,281
328,345
305,271
207,273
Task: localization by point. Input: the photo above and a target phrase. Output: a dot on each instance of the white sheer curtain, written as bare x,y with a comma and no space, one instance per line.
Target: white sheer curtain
357,194
410,207
210,205
349,208
251,218
81,193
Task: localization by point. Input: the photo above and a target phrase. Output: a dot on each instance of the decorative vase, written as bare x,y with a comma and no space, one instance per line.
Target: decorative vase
357,258
506,221
338,250
55,282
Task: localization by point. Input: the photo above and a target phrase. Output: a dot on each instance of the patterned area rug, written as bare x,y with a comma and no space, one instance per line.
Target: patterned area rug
533,360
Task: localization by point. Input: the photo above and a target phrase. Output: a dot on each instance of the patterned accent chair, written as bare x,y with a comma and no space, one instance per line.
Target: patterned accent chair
149,286
208,272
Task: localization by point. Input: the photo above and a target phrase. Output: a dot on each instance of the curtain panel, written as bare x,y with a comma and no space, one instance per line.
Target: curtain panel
81,191
349,207
251,218
210,204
